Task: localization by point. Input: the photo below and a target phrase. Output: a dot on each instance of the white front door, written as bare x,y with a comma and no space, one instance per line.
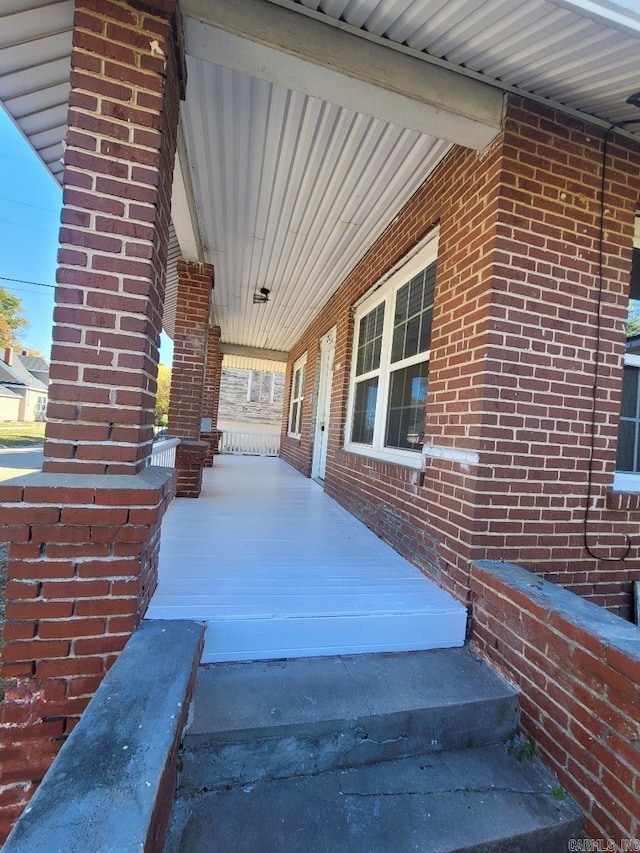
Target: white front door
327,349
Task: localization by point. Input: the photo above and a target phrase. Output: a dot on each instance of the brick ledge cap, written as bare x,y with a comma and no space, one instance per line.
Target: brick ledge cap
151,478
610,629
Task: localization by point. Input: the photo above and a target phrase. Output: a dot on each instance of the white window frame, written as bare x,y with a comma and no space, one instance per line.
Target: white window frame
262,375
386,291
299,365
629,481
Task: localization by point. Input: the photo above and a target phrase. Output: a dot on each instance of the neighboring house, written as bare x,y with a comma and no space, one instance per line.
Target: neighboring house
37,365
28,378
9,404
250,400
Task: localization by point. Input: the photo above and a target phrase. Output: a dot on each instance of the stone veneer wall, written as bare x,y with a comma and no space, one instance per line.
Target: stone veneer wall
234,405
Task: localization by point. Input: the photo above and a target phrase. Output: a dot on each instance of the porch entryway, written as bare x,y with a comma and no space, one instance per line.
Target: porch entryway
278,569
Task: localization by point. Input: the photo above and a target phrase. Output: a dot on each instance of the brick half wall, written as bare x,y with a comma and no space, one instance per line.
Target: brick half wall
83,559
577,667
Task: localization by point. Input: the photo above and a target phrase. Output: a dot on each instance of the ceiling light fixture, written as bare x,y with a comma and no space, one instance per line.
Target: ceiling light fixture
261,297
634,99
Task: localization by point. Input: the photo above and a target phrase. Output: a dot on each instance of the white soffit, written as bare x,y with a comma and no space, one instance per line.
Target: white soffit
582,54
276,44
291,192
243,362
35,51
171,284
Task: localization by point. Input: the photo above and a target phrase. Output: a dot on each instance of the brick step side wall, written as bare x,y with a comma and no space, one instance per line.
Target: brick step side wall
578,671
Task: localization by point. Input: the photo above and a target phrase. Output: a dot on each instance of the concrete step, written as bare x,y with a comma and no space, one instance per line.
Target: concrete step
480,799
267,720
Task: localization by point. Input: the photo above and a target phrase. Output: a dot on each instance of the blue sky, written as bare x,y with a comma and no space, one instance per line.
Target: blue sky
30,203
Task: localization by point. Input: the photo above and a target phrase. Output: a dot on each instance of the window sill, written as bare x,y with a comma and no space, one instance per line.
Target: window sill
404,460
624,496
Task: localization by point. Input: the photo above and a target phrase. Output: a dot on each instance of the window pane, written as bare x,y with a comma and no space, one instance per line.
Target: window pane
626,446
364,411
402,299
405,414
629,392
411,337
633,320
370,340
628,449
293,426
412,319
397,346
416,290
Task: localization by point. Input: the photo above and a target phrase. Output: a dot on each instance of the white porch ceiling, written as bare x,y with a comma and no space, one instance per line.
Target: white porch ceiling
290,192
35,46
288,189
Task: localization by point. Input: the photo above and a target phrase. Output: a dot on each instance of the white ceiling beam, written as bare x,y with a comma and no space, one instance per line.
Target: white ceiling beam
254,352
296,52
183,206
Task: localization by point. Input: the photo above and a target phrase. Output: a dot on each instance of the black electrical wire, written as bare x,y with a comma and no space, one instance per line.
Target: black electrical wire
27,281
596,373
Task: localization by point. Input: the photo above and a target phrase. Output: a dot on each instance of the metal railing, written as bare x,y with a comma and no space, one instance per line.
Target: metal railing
163,453
249,443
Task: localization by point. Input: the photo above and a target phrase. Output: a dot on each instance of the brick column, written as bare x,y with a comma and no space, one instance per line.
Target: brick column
84,534
211,394
121,140
195,283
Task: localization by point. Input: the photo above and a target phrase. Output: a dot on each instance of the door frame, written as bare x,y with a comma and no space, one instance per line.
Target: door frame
323,403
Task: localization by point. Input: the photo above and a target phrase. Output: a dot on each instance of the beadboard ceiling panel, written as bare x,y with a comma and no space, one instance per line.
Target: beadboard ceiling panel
290,192
35,51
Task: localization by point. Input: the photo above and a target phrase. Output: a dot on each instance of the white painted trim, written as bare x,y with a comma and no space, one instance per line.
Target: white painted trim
263,40
393,281
325,384
625,481
300,364
417,250
183,206
452,454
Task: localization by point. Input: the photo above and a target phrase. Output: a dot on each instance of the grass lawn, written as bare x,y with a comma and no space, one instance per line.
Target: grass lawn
21,434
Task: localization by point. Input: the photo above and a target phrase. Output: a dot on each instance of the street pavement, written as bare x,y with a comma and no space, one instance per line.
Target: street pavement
19,460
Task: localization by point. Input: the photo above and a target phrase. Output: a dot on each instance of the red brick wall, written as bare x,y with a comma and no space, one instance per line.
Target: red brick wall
511,361
578,672
83,555
211,391
190,349
120,149
537,418
211,384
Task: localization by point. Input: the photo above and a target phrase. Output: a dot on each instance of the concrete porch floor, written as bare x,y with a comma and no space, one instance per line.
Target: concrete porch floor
278,569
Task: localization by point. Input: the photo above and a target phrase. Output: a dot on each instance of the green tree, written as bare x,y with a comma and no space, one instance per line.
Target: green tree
162,397
12,319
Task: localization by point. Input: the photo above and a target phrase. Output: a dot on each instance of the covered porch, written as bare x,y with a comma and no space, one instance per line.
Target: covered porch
276,568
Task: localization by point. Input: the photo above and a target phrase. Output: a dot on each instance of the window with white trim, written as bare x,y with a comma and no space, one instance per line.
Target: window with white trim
628,460
297,397
388,390
260,387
